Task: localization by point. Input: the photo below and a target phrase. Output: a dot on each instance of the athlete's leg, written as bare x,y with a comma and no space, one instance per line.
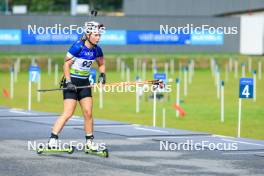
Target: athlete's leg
69,107
87,106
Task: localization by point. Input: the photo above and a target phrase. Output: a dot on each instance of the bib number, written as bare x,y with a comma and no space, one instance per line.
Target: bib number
87,64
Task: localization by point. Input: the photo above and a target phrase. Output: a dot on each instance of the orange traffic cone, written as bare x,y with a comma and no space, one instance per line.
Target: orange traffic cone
6,93
180,109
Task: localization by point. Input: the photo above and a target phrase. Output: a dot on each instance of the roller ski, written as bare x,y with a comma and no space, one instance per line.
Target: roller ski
54,148
102,153
94,149
42,149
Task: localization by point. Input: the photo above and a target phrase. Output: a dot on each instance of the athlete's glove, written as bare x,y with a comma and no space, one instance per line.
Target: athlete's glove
158,84
70,86
101,78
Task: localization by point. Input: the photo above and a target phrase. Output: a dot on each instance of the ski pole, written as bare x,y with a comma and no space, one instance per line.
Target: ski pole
158,82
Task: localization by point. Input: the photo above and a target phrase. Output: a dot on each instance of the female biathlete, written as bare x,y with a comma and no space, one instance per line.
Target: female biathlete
78,61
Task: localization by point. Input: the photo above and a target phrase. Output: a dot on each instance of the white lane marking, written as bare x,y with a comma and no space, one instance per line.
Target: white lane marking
111,126
79,120
242,153
222,136
77,117
169,137
18,111
25,118
250,143
72,126
96,126
7,118
146,137
3,110
147,129
101,125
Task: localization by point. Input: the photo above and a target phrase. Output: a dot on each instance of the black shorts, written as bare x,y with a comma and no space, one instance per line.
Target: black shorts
81,93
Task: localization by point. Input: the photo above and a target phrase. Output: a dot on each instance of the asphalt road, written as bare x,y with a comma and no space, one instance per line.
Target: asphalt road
134,150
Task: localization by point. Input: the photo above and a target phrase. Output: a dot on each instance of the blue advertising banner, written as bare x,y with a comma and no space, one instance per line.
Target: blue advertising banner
113,37
206,38
10,37
43,39
154,37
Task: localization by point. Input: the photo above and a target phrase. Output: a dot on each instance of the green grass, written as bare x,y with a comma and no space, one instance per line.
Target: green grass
201,104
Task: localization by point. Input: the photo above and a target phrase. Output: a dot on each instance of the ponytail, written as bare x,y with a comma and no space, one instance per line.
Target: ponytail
83,38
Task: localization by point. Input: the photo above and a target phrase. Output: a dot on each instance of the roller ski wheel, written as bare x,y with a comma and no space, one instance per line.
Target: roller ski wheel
102,153
69,150
40,150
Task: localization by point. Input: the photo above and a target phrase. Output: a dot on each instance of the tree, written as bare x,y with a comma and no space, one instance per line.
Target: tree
64,5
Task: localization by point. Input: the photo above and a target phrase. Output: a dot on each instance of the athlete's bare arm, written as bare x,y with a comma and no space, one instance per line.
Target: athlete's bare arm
101,64
66,67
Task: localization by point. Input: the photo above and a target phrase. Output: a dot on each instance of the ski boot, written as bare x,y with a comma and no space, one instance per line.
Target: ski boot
93,148
53,147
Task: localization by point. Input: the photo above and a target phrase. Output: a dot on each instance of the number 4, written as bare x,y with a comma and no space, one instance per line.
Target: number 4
245,91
